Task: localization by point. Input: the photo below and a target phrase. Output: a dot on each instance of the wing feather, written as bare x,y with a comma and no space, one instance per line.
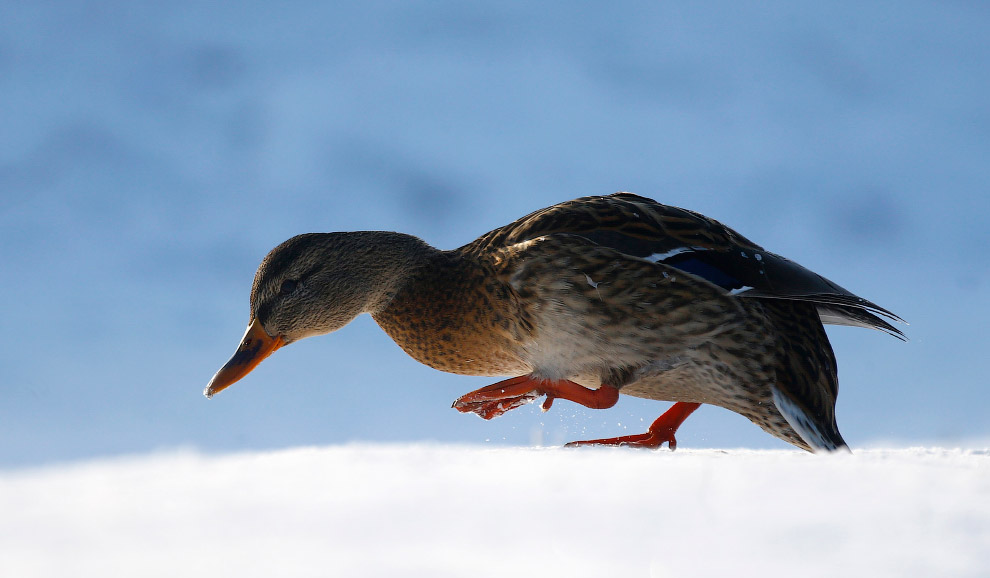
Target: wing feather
700,246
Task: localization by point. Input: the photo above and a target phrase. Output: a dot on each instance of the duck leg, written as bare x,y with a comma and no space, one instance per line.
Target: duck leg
661,431
498,398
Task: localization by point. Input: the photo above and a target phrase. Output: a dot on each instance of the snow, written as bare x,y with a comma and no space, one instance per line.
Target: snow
448,510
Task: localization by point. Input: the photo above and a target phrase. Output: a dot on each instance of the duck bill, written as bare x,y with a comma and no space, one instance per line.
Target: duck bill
255,346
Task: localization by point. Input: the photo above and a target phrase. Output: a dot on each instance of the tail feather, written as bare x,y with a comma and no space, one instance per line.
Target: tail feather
818,435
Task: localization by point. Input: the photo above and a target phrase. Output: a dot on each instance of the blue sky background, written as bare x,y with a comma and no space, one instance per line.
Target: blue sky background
151,154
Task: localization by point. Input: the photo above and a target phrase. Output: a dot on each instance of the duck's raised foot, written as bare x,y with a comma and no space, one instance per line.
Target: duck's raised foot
498,398
661,431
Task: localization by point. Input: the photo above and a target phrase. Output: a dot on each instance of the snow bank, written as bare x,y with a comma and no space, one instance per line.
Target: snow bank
434,511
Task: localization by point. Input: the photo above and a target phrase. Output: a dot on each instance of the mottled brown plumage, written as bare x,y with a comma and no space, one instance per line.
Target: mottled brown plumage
582,300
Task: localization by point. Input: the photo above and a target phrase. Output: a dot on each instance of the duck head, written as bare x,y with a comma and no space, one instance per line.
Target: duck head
314,284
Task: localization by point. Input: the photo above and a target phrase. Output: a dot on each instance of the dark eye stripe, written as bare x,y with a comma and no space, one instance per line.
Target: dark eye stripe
288,286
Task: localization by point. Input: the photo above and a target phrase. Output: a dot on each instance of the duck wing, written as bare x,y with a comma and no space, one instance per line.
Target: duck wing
693,243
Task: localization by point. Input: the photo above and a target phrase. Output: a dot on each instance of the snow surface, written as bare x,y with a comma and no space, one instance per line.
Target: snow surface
443,510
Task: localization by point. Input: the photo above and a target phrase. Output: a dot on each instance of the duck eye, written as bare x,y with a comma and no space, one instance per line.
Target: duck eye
288,286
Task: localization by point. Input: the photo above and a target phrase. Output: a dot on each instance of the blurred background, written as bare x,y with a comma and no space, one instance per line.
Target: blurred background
152,153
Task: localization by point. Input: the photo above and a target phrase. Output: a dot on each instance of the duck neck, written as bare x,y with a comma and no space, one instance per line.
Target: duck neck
453,314
392,259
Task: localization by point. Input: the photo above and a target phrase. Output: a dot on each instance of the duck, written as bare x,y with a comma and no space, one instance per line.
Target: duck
581,301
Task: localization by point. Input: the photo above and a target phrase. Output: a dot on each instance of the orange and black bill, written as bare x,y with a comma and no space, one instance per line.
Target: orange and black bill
255,346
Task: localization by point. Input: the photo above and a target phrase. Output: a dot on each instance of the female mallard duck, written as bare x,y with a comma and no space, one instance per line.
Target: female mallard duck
581,301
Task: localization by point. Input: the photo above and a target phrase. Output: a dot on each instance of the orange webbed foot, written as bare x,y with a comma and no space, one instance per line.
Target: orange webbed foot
496,399
661,431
